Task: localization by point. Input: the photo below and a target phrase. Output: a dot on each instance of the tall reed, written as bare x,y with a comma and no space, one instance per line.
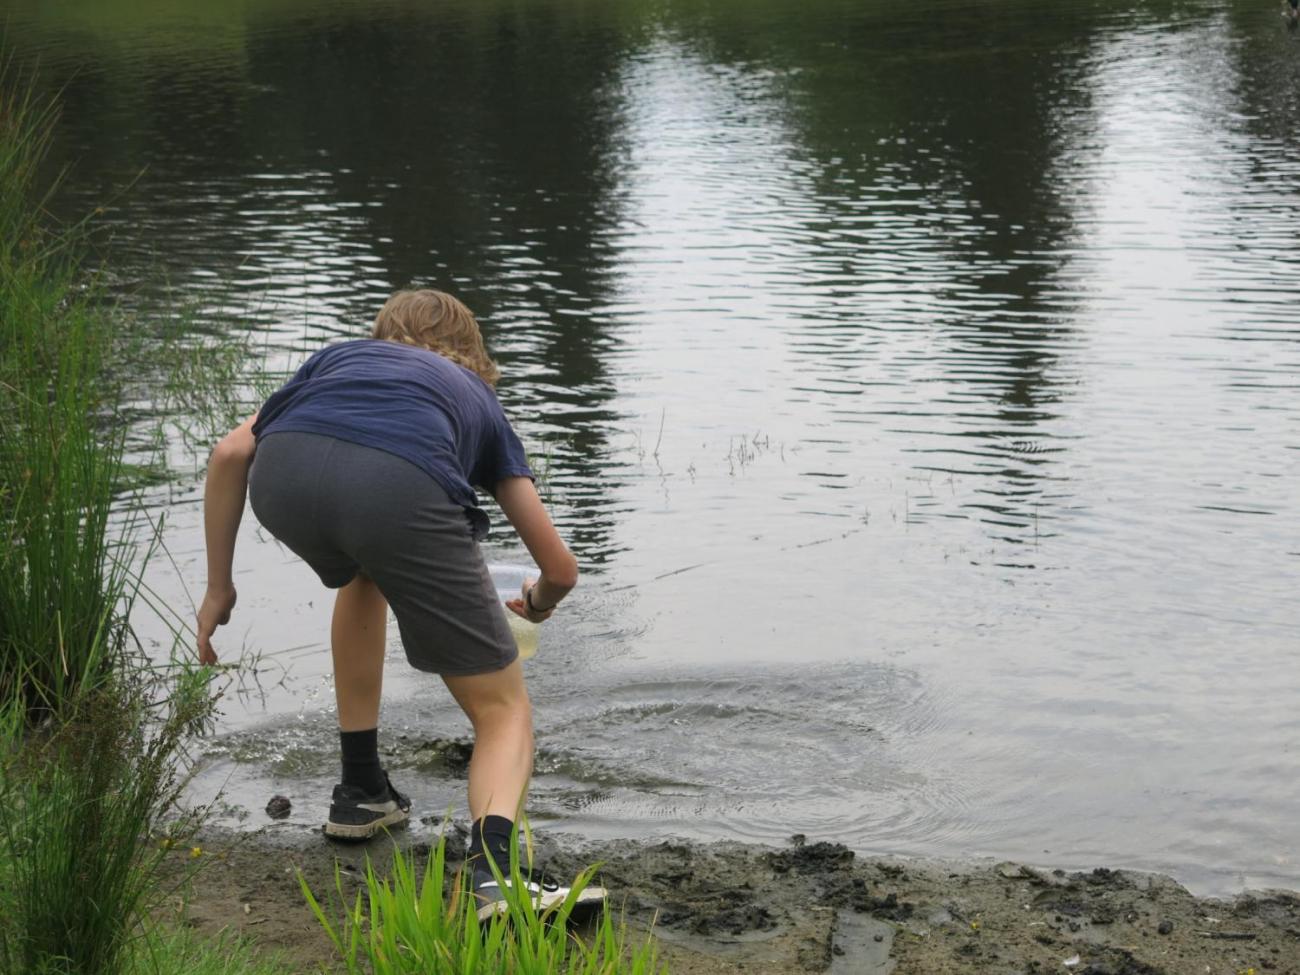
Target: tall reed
91,737
63,574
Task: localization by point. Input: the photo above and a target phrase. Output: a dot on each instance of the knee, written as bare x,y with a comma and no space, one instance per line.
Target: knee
504,711
497,711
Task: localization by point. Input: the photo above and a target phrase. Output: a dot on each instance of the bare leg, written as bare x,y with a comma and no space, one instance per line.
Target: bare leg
497,705
357,642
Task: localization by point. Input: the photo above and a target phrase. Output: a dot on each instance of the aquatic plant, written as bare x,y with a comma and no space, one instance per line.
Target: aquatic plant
206,374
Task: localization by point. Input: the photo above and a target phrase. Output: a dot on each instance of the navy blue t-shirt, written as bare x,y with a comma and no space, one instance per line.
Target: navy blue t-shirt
410,402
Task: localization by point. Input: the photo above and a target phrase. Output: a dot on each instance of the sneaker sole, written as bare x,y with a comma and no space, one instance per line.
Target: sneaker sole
364,831
590,897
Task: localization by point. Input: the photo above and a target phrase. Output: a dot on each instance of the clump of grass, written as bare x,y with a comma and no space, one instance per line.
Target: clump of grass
92,739
406,924
83,801
62,574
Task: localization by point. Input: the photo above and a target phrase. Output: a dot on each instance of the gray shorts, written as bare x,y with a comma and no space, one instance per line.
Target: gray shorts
344,508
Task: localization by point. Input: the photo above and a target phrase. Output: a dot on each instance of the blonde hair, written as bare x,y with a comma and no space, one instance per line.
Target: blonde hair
436,321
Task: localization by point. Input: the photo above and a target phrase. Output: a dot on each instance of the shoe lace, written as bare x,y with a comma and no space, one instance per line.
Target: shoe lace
543,879
535,877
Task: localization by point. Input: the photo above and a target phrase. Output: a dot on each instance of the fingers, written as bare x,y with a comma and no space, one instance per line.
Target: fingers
214,612
520,608
205,629
206,654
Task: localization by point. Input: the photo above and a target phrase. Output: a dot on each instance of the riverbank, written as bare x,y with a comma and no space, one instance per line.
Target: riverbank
728,908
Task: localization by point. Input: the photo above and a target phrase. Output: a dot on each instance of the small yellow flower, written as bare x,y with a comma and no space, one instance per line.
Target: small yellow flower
196,852
974,925
166,843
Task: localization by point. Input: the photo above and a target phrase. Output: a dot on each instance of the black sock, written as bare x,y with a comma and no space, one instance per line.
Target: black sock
361,766
492,835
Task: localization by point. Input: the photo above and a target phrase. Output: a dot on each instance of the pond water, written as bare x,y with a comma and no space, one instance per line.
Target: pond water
918,385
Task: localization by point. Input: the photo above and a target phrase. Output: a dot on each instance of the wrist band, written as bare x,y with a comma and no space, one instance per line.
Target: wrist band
532,608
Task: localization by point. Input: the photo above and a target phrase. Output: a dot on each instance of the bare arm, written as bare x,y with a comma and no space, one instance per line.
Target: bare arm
223,509
518,499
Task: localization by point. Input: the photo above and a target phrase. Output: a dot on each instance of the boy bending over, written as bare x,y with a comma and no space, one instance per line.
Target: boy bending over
363,465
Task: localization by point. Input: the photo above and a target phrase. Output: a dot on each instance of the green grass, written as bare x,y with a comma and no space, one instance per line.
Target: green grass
92,736
70,363
420,924
172,951
62,572
83,801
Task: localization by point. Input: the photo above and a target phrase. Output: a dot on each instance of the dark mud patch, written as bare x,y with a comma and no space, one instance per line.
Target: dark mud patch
731,908
444,757
814,858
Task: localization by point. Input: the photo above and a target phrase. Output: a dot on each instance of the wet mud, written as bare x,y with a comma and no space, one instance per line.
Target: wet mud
809,907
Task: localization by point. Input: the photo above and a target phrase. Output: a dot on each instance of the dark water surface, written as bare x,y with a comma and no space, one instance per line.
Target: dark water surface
919,386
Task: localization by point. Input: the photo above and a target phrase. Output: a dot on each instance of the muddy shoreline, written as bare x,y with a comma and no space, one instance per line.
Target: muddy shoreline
808,907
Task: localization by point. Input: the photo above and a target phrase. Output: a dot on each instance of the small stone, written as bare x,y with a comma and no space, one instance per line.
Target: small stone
279,807
1165,927
878,938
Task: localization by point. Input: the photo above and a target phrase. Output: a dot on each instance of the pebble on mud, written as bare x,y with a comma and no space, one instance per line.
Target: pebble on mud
278,807
1165,927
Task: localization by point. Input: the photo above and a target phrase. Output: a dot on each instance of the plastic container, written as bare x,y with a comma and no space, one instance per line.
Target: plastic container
524,632
508,581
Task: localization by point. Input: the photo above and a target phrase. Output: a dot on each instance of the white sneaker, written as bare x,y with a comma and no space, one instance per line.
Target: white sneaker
546,893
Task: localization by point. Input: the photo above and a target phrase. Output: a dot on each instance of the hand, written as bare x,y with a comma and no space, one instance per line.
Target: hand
214,612
521,607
